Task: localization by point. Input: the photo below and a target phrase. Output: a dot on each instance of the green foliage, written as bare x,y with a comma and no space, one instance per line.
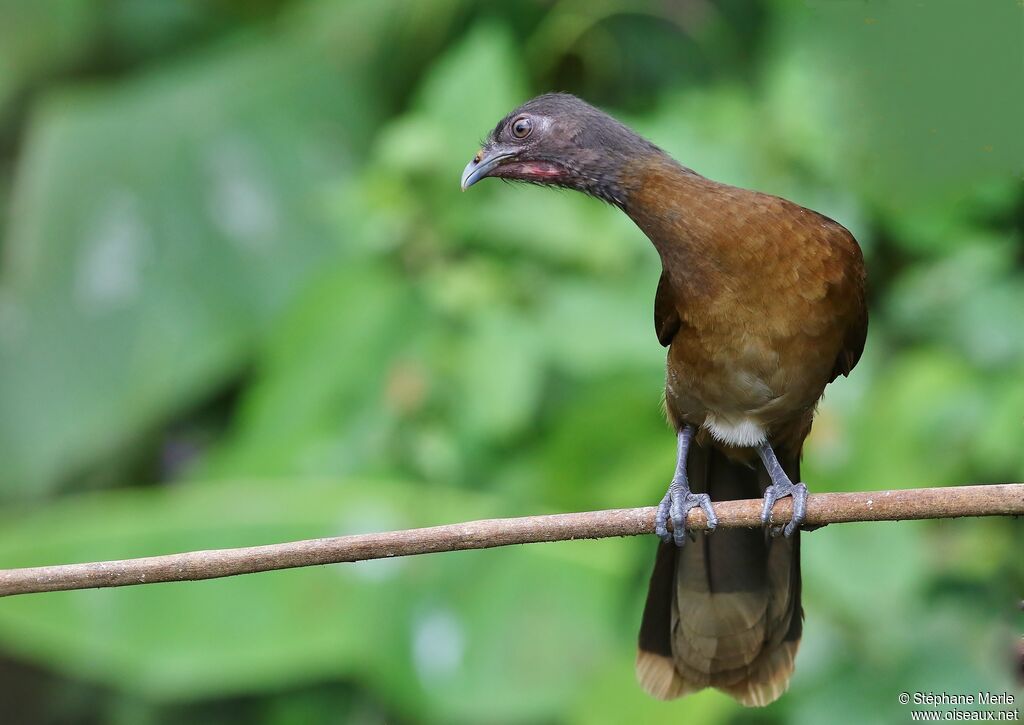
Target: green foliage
460,636
242,294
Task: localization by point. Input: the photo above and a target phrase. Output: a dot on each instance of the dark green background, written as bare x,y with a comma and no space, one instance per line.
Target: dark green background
243,301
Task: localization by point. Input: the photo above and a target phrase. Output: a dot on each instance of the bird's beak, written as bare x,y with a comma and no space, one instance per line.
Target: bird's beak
482,165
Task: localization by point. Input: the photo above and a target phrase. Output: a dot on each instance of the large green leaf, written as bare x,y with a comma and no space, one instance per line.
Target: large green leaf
157,225
38,37
873,95
323,398
458,636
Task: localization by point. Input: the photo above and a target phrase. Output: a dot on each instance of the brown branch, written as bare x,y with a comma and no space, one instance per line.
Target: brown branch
822,509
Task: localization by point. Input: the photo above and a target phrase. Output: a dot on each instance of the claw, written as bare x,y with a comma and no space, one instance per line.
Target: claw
675,505
781,487
679,499
780,490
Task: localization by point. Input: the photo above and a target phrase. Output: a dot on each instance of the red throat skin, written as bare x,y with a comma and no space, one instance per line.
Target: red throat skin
530,171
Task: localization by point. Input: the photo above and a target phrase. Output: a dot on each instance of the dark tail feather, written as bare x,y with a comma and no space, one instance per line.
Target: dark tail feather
723,611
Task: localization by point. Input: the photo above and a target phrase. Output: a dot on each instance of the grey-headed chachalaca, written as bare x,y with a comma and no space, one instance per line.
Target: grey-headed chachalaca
761,305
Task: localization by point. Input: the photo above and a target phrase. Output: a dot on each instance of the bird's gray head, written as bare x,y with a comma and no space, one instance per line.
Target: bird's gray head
559,140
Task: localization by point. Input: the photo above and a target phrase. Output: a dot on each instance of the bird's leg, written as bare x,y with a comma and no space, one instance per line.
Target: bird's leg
781,487
679,499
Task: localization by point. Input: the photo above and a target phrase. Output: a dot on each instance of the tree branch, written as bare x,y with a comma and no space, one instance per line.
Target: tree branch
822,509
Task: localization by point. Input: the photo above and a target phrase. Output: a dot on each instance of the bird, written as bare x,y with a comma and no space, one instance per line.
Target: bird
761,304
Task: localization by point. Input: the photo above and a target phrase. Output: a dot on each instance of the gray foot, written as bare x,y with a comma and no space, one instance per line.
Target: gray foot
675,505
780,490
781,487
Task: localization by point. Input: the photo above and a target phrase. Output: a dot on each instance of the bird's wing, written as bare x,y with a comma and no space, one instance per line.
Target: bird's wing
666,316
857,327
853,346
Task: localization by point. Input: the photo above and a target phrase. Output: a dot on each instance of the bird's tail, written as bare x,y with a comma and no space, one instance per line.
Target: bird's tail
724,610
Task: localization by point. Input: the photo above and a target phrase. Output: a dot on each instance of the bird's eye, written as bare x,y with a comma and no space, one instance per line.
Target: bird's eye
522,127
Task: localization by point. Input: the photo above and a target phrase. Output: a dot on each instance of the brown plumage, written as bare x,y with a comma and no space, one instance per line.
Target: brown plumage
761,304
761,301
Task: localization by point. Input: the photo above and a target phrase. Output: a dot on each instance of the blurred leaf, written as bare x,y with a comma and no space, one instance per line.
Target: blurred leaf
969,300
593,327
870,620
38,37
500,374
910,123
462,635
556,229
321,398
913,427
837,560
997,453
608,446
185,223
466,91
609,700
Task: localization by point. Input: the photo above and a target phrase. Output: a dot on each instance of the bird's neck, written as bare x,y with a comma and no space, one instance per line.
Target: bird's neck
672,205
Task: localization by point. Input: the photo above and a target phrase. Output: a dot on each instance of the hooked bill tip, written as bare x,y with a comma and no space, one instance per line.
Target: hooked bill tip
481,165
